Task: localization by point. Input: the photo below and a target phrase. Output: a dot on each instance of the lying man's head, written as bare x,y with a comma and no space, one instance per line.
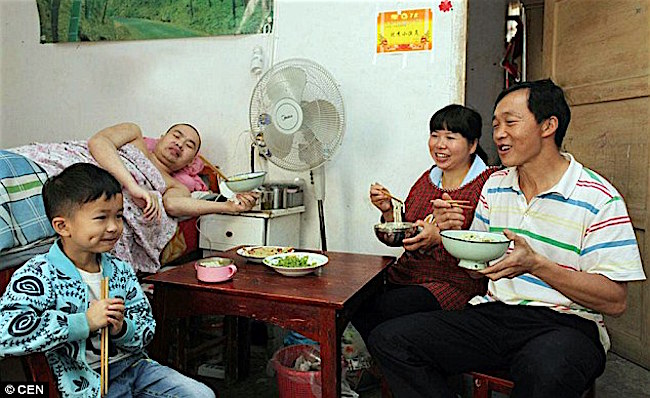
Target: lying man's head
178,146
84,204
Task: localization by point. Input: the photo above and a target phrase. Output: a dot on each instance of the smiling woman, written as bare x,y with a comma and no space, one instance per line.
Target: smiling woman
420,280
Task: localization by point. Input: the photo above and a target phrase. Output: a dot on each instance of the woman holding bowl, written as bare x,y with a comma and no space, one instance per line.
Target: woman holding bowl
426,277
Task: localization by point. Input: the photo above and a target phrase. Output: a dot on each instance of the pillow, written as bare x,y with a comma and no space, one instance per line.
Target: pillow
22,214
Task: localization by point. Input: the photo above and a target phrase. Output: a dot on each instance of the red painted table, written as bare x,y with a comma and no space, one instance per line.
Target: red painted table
317,306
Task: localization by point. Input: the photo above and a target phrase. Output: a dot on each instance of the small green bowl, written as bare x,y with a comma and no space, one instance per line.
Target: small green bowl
474,248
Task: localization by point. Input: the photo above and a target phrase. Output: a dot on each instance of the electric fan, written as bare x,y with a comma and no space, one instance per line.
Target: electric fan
297,121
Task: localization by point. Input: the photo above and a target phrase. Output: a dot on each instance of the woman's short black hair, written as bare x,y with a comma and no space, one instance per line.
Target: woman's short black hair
545,99
76,185
460,119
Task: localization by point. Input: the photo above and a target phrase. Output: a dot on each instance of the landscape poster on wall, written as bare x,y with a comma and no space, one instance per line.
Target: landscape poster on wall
100,20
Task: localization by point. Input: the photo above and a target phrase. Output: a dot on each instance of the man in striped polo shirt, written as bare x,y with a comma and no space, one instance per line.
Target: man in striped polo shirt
573,252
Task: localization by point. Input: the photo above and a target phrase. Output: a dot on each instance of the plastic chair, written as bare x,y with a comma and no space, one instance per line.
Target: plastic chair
484,384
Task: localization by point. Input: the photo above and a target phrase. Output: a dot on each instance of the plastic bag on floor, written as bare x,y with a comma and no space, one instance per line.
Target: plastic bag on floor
356,361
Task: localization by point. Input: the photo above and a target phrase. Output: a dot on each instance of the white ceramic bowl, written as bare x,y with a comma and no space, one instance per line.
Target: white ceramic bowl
245,182
314,261
474,248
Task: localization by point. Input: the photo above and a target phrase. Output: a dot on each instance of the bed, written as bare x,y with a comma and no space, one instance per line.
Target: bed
25,230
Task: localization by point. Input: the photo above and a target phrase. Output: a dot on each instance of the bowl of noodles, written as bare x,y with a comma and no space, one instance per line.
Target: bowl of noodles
393,233
474,248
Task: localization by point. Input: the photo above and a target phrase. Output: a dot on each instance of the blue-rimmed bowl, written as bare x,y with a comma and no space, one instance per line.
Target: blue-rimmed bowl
245,182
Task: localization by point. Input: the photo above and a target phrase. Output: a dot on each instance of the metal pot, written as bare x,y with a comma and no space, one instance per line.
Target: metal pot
280,196
266,198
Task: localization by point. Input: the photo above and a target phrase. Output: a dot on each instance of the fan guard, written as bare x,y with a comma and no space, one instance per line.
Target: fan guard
297,114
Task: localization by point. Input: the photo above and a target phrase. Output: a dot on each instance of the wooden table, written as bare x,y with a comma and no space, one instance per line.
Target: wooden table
317,306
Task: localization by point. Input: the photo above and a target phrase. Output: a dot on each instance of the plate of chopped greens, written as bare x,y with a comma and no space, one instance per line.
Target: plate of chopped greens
296,263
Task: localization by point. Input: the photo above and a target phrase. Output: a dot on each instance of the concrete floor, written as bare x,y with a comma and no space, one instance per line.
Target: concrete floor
622,379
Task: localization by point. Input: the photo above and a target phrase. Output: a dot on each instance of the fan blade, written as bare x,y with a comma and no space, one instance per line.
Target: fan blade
311,152
278,143
286,82
323,119
308,136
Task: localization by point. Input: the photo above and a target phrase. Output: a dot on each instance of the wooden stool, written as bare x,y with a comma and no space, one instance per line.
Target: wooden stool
484,384
37,369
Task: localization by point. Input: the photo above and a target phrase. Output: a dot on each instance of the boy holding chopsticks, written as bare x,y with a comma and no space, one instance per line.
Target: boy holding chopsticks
53,303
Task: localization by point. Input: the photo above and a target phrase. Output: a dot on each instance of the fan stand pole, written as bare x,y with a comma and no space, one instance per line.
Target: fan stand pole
318,181
321,217
253,146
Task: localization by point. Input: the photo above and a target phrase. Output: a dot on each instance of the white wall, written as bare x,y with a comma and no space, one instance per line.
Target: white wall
65,91
52,92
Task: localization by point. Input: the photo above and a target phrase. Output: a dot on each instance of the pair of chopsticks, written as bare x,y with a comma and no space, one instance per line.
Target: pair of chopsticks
387,193
213,167
463,204
103,375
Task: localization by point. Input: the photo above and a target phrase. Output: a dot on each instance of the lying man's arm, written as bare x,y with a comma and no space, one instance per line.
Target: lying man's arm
104,145
178,203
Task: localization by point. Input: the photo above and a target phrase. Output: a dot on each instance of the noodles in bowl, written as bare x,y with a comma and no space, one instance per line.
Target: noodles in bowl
474,248
393,233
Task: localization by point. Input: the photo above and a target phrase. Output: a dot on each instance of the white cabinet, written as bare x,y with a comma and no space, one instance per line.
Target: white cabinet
279,227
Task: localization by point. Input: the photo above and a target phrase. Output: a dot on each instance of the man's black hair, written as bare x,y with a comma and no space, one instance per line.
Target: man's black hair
460,119
545,99
76,185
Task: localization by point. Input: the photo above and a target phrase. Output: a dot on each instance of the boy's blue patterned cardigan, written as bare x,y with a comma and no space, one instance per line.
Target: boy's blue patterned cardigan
44,310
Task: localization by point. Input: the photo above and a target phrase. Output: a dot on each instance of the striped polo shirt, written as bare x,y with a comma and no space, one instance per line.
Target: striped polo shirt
581,224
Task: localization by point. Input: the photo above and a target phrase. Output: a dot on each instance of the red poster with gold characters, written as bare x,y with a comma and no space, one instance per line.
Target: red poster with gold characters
406,30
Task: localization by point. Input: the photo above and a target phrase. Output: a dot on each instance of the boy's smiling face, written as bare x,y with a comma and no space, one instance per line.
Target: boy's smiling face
94,227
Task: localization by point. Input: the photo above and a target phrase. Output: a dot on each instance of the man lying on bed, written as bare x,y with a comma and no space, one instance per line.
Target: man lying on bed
146,178
175,150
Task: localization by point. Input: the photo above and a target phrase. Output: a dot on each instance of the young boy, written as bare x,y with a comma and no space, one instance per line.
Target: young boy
53,302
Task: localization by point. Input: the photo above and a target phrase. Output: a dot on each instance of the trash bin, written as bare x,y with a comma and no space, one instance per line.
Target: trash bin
294,383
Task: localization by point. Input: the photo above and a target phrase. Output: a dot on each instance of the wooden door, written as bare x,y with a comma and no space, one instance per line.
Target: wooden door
597,50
